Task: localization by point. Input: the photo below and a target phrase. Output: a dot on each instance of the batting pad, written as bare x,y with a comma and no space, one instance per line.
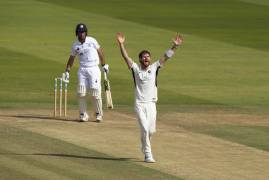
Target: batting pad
96,96
82,104
81,90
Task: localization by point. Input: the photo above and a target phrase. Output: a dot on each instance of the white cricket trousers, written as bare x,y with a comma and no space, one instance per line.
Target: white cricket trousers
89,81
146,114
89,77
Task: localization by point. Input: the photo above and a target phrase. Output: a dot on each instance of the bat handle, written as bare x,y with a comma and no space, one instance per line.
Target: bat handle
105,76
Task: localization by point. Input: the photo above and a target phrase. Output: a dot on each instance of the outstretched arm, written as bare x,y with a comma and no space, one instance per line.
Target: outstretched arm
170,52
121,40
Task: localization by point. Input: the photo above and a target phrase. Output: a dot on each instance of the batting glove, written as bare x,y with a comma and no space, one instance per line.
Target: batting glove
105,68
66,77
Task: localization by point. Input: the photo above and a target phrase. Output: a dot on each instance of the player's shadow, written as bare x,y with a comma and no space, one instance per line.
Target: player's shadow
83,157
69,156
41,117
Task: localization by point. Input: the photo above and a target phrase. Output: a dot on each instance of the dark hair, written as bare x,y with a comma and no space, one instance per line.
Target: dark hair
143,52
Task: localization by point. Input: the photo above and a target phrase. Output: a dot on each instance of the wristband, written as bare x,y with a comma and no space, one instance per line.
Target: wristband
169,53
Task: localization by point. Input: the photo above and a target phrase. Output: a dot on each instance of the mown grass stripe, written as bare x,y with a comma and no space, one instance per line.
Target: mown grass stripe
252,136
52,164
231,21
56,158
11,173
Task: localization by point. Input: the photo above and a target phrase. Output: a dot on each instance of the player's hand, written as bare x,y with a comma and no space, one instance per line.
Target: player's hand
105,68
65,77
178,40
120,37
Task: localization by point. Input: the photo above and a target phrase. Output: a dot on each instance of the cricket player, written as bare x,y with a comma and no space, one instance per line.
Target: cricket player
145,80
89,55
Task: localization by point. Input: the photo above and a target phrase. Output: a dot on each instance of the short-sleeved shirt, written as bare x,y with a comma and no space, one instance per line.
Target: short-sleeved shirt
86,52
145,82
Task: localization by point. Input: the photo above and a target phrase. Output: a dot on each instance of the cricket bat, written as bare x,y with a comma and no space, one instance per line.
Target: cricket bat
109,103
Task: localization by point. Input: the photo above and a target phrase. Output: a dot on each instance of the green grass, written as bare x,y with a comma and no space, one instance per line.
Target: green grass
27,80
223,64
232,21
252,136
34,156
207,70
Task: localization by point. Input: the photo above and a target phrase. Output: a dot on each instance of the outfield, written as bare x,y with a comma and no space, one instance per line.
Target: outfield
213,95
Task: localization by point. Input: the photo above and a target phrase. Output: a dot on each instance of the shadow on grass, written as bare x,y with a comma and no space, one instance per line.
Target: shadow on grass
42,117
69,156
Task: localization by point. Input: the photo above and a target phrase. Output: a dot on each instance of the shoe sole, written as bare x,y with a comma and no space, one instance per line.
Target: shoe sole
150,161
83,120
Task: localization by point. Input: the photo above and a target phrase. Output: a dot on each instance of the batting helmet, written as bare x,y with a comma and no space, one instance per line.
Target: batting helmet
81,28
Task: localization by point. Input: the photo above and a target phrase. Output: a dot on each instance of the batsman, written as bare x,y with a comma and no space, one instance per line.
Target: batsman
90,55
145,81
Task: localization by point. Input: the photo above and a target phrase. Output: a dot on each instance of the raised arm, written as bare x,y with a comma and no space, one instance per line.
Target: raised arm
170,52
121,40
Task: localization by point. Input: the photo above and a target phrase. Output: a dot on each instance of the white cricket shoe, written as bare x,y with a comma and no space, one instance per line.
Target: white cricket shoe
83,117
149,158
99,118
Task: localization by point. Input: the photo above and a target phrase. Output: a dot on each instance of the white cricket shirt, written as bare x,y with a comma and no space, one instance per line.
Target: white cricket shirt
145,82
86,52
